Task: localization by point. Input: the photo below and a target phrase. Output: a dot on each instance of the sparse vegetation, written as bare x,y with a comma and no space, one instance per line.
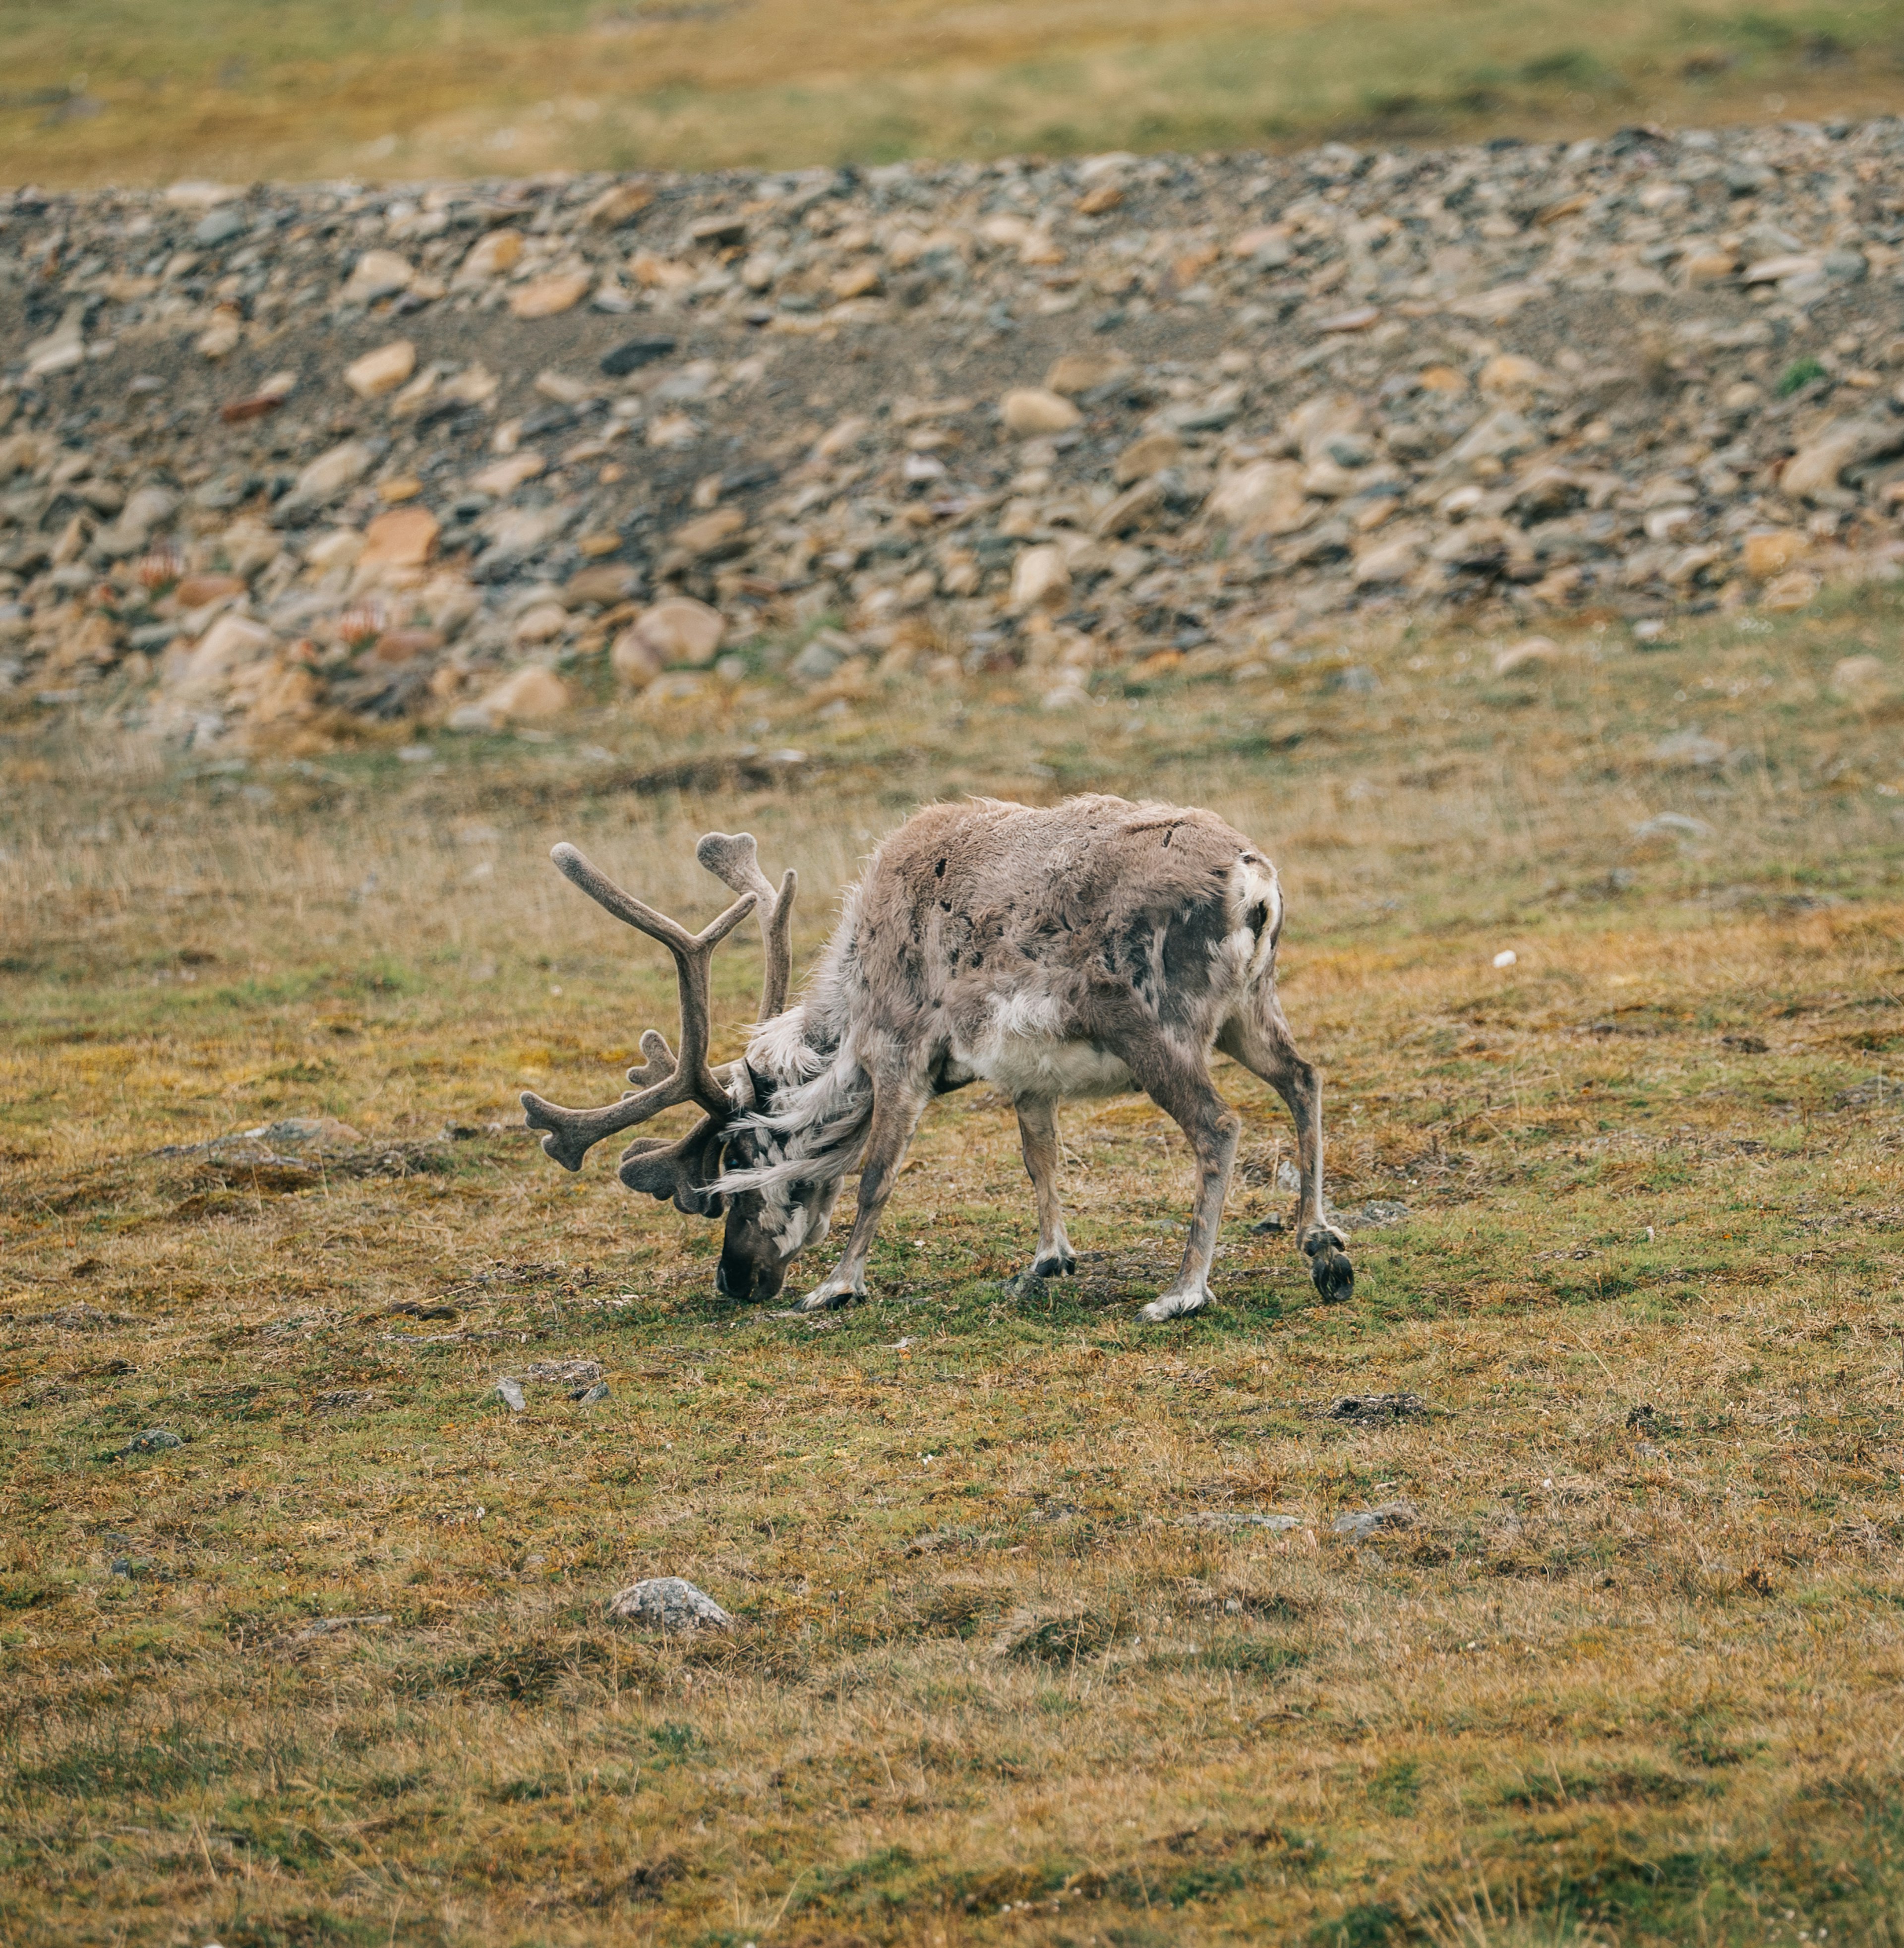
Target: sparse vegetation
103,90
1799,374
1009,1666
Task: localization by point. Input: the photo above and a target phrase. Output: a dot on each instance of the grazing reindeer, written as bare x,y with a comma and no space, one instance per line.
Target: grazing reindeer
1083,950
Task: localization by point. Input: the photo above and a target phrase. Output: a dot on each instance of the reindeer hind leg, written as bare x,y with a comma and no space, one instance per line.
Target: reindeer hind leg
1258,1037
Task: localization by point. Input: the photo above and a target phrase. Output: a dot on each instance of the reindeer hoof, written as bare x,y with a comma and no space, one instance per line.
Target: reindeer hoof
1168,1305
1330,1268
1056,1264
826,1298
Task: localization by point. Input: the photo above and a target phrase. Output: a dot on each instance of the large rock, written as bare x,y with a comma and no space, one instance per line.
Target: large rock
1319,425
540,622
378,273
1085,371
1143,457
220,226
1530,652
1812,473
1391,562
531,694
1787,593
230,643
1709,265
1497,305
861,280
668,1603
512,470
680,630
404,538
62,348
635,659
842,438
221,337
1041,579
318,1133
284,694
601,586
249,545
382,370
710,534
1265,497
144,510
545,297
1135,507
1776,270
1031,410
493,255
341,467
1503,434
516,533
1508,376
620,204
336,547
198,193
1859,678
634,353
1770,551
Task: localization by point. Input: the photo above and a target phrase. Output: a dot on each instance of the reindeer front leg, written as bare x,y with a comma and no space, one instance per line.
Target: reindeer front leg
1038,1136
898,1105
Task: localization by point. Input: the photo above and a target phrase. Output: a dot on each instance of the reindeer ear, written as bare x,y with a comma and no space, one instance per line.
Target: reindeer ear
684,1172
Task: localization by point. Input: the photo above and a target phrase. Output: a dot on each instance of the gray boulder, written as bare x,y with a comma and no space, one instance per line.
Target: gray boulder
668,1603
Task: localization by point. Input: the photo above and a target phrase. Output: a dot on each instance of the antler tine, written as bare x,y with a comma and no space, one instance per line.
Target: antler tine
576,867
682,1171
734,859
572,1134
777,936
660,1063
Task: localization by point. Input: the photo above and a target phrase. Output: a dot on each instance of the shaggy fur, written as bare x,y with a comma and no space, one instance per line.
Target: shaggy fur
1090,947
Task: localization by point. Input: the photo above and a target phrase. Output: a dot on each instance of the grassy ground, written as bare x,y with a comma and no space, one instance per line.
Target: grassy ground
106,90
1012,1664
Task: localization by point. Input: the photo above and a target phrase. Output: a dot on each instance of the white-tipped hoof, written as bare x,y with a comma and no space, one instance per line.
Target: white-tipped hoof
1168,1305
829,1297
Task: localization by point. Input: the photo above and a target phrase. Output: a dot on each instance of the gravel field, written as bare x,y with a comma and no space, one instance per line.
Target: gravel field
279,460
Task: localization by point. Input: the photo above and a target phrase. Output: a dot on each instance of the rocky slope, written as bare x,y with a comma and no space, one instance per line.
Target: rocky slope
288,458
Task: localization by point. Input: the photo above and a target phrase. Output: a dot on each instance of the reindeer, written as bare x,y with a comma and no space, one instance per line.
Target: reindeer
1087,949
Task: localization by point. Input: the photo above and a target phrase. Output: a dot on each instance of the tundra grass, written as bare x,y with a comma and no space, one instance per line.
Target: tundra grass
1018,1657
101,91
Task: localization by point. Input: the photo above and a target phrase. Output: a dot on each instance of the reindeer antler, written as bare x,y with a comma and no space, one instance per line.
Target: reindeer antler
735,861
678,1169
572,1133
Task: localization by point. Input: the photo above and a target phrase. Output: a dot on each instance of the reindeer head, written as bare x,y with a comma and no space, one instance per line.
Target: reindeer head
687,1171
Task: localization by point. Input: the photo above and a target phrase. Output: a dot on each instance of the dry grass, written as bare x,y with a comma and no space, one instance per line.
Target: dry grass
1010,1667
103,90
